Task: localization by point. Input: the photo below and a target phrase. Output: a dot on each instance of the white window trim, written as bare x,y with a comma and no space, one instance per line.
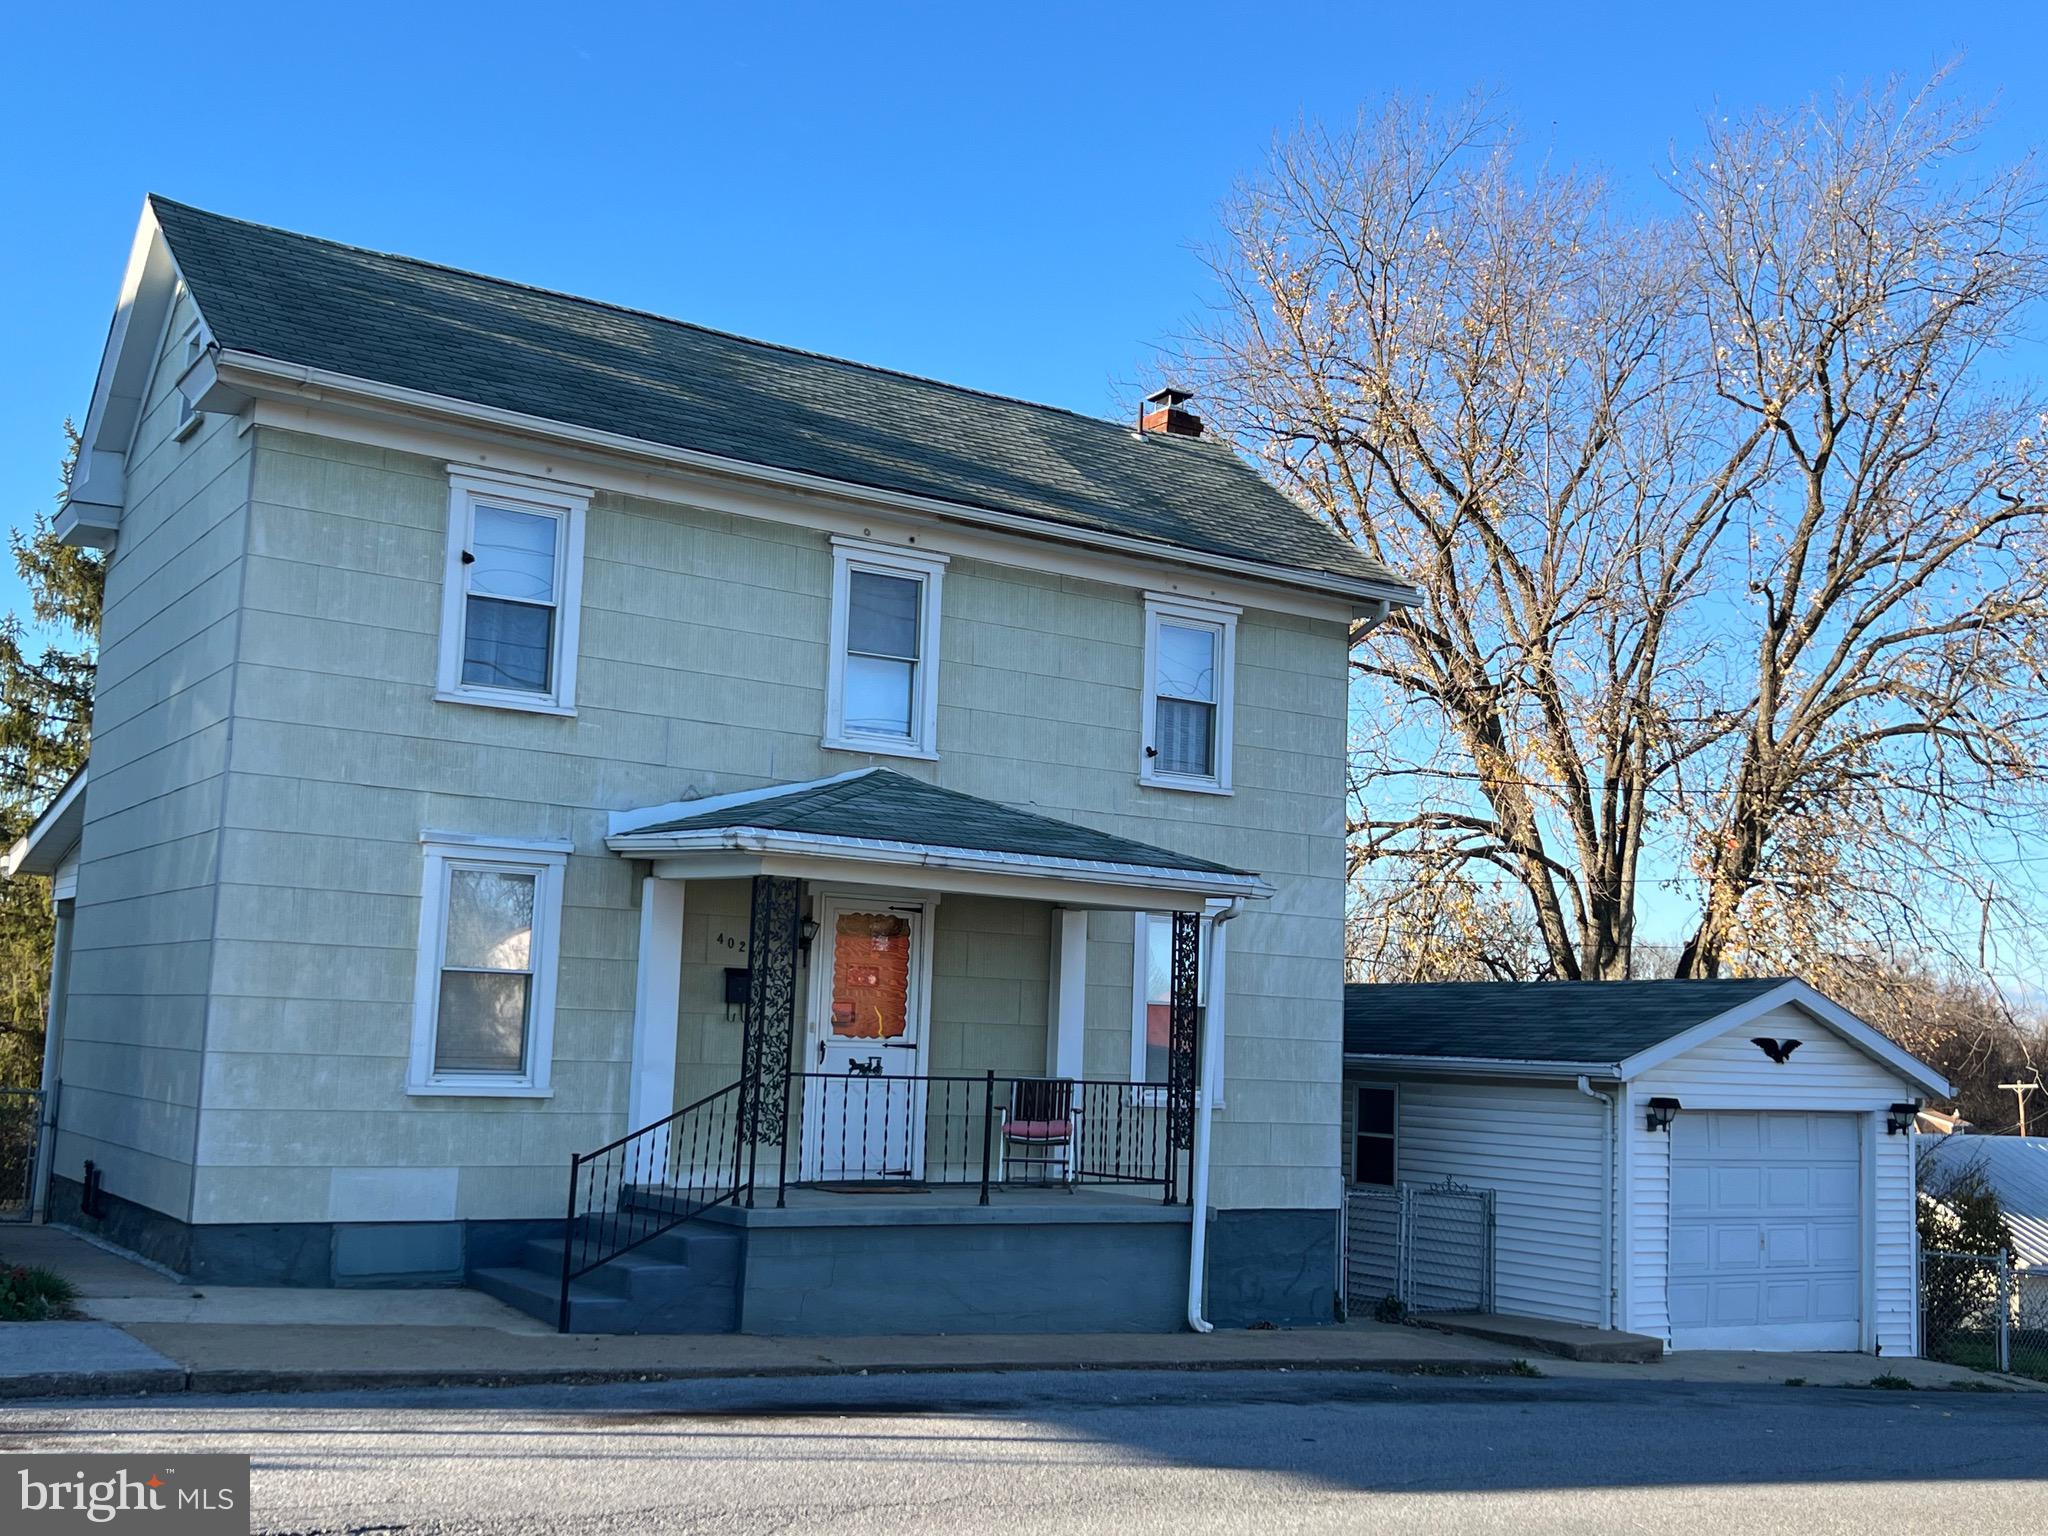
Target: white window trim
1392,1137
546,862
1156,1095
1222,617
848,556
568,504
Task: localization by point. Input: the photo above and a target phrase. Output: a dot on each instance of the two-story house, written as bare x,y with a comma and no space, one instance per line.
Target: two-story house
687,833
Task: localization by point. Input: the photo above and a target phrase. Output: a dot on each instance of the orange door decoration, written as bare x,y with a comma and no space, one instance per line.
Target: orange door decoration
870,976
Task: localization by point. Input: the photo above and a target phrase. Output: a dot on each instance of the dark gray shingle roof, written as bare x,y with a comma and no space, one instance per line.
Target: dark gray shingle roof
884,804
398,321
1574,1021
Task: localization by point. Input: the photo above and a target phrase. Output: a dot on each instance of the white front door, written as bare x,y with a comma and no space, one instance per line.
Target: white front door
1766,1231
863,1118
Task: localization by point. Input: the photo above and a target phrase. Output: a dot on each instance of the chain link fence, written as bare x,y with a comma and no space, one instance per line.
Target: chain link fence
1981,1310
20,1130
1419,1248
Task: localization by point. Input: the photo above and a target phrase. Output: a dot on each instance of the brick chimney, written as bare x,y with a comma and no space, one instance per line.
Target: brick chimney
1163,413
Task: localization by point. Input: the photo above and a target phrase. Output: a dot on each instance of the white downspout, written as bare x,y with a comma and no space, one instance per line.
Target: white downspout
1606,1203
1205,1102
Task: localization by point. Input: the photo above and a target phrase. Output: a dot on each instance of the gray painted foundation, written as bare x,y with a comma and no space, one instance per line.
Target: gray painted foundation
881,1267
1277,1267
299,1253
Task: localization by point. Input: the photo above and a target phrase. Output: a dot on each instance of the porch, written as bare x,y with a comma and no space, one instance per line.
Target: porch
865,1133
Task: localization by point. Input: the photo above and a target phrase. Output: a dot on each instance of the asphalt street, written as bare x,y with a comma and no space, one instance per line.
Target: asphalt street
1110,1452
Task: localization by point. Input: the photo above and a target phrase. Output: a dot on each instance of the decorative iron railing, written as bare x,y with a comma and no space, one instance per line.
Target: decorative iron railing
877,1129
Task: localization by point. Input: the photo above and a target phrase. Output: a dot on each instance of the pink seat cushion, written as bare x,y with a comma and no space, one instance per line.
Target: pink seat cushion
1038,1130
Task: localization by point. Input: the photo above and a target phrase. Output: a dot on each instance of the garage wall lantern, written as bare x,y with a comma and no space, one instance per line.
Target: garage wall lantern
1900,1117
1661,1112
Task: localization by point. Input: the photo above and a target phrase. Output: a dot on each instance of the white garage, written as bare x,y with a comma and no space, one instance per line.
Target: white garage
1716,1164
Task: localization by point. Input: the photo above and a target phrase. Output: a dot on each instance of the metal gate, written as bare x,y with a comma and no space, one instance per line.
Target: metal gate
1427,1246
1981,1310
21,1121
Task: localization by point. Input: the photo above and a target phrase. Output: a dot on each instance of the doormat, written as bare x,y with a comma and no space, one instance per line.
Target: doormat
877,1187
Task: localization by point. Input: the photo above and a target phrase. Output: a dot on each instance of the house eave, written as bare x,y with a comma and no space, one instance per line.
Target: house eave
1484,1066
728,852
52,837
236,377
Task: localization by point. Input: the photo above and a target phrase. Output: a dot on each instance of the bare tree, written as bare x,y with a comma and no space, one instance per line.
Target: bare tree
1732,560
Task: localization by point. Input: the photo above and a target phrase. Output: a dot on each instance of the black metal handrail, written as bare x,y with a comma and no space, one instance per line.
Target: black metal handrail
648,1182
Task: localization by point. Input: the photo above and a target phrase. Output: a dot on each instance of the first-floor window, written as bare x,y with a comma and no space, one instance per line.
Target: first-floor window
1372,1141
1152,1027
484,1004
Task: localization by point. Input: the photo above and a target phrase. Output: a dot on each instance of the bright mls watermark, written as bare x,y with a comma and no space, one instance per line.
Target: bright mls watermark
167,1496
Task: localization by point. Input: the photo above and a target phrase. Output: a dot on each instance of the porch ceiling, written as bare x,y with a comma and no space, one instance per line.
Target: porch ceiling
876,826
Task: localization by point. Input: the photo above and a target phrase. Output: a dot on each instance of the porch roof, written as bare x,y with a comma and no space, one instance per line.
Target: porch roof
875,820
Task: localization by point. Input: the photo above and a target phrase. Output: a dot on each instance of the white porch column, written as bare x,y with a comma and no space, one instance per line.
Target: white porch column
657,998
1068,1004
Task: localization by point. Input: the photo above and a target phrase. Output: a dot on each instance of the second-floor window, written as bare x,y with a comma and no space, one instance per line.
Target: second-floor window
882,692
509,620
1190,661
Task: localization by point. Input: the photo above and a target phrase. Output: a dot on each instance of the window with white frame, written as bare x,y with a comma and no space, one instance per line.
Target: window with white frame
1372,1136
882,691
484,997
1190,661
1152,1020
511,603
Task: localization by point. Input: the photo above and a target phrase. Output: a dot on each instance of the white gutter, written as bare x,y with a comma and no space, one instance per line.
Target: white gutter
1607,1255
229,368
768,841
1484,1066
1205,1104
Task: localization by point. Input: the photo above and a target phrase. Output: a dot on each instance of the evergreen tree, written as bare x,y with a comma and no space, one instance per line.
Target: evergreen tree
46,677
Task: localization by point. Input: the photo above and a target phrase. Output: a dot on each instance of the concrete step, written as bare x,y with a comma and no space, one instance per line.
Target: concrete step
685,1280
538,1295
1548,1336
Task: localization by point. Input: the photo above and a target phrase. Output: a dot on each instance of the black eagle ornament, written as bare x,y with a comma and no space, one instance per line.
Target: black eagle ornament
1778,1050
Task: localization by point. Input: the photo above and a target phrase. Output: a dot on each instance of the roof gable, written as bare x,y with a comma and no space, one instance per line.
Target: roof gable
409,324
1622,1027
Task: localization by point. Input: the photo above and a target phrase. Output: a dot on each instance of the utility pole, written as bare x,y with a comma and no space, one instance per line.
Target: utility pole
2020,1091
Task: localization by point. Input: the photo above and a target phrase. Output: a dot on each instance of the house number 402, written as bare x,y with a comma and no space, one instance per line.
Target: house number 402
729,941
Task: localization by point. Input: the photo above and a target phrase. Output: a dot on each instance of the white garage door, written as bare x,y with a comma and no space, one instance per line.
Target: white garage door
1766,1231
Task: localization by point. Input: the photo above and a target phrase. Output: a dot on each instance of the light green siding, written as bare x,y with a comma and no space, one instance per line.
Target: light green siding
702,670
141,948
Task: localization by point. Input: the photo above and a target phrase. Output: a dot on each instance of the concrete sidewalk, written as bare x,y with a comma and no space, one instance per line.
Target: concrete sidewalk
172,1336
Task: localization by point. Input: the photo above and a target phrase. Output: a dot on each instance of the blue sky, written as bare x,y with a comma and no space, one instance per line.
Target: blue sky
1006,197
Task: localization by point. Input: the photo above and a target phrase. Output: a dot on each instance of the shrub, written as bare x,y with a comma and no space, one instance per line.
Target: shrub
34,1295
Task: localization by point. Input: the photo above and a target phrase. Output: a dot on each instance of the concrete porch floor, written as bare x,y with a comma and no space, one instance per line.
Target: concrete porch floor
1027,1204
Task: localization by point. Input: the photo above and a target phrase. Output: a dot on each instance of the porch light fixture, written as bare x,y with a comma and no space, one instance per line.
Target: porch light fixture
1660,1112
806,931
1900,1117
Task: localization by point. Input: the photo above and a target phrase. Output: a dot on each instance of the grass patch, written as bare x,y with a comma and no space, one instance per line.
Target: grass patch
1795,1381
1522,1368
34,1295
1891,1382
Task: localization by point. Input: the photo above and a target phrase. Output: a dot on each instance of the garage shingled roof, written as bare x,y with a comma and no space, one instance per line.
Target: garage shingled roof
1589,1022
398,321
